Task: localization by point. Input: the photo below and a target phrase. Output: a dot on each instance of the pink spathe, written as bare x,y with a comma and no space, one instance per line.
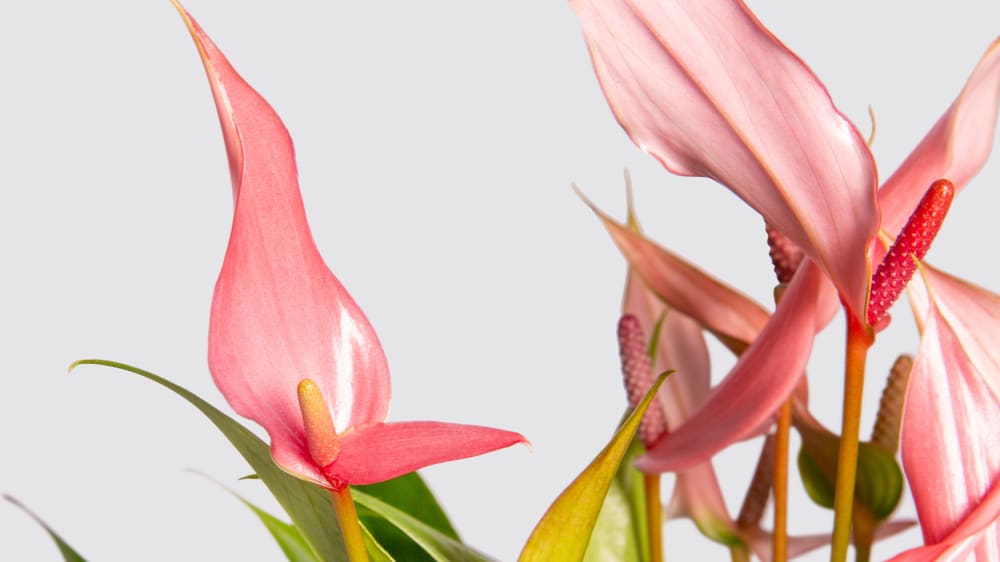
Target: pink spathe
280,316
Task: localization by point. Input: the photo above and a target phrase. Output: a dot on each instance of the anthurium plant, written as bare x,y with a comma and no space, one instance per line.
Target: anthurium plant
707,90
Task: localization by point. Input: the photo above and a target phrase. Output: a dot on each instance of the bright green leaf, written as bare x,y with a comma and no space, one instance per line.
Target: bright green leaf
621,533
376,553
69,555
410,493
289,539
564,531
308,505
435,545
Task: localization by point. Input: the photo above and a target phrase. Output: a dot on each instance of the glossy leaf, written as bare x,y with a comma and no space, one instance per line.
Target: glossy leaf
68,554
621,533
437,546
410,494
564,531
308,505
376,552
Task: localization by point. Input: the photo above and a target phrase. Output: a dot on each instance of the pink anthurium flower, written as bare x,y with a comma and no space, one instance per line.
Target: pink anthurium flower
697,494
703,87
708,91
950,440
774,350
279,316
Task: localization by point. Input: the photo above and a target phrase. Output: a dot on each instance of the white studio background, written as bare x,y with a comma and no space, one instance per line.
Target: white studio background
436,145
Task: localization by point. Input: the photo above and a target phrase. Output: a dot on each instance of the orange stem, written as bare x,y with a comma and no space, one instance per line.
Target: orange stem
859,339
654,516
780,537
350,528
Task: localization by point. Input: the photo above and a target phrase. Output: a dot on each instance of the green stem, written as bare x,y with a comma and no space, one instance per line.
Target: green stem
739,553
859,339
654,516
350,528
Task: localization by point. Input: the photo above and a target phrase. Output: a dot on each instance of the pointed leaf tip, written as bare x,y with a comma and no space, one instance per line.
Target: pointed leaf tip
563,533
68,553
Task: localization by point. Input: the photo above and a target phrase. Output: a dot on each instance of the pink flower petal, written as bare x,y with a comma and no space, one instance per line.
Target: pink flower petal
977,533
707,90
278,313
719,308
950,442
764,376
378,452
956,147
681,346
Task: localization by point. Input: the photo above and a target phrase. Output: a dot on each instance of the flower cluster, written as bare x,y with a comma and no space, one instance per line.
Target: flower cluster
707,90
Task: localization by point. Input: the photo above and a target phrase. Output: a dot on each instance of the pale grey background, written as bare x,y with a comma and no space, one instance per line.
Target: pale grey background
436,144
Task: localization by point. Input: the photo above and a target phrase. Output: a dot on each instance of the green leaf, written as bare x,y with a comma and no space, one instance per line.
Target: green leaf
69,555
564,531
434,545
289,539
308,505
818,484
880,481
376,553
410,494
621,533
879,484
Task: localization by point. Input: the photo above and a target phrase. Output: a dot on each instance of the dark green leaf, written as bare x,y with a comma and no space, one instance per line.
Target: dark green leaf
435,545
410,494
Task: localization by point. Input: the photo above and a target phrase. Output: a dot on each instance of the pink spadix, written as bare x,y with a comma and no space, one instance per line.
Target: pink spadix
900,262
638,372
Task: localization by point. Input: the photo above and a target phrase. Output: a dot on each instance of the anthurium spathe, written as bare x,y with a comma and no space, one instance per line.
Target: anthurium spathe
955,148
695,83
950,443
286,340
774,350
697,494
707,90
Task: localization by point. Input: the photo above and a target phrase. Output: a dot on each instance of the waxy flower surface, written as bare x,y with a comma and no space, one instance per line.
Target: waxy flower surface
279,316
951,446
707,90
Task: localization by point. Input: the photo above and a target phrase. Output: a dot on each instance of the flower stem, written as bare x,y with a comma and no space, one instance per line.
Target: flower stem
780,536
654,516
739,553
350,528
859,339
